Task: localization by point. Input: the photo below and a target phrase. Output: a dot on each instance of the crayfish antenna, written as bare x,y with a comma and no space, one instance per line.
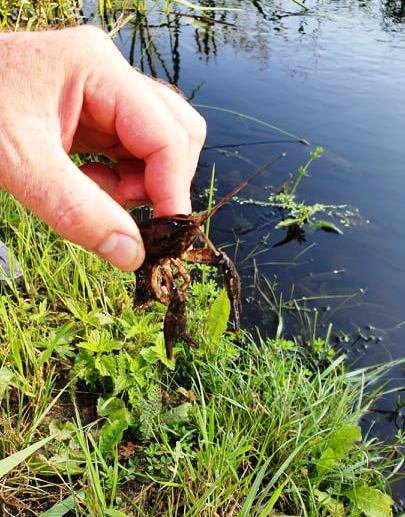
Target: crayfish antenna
242,185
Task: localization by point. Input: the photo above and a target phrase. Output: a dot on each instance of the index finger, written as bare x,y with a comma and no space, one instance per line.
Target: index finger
167,134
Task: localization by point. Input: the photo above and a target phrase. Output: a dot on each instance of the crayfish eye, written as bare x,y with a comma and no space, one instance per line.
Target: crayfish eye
175,224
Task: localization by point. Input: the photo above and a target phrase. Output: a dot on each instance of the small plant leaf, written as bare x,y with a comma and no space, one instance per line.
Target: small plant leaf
371,501
67,463
62,430
177,415
326,226
157,352
110,406
111,435
326,461
334,507
105,365
344,439
101,318
115,513
287,222
60,336
338,446
6,377
218,317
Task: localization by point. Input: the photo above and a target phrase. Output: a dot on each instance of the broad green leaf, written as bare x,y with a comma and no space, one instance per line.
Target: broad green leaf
218,316
344,439
107,407
9,463
157,352
105,365
371,501
338,446
177,415
111,435
326,461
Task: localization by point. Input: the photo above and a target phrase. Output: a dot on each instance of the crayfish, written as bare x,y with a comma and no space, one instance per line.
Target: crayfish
163,276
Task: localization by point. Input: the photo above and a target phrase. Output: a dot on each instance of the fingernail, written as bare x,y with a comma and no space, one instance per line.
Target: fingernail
121,250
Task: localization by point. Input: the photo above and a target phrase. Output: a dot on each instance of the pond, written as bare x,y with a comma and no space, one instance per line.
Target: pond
332,73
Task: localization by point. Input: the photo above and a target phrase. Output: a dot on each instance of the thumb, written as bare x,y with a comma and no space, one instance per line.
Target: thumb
75,207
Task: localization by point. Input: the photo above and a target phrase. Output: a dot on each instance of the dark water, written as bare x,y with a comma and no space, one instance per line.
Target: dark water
334,75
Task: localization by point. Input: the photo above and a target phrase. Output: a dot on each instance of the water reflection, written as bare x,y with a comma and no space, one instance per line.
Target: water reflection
158,42
395,10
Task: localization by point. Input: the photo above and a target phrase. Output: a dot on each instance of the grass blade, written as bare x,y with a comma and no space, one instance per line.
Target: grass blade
8,464
61,508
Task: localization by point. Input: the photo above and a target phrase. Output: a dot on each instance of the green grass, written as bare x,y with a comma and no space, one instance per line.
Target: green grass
239,428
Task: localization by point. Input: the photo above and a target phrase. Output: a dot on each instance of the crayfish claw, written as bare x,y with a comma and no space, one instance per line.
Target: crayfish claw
174,327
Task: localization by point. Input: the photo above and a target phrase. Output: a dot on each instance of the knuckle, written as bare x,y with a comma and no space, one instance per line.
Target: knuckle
94,41
92,32
199,129
182,135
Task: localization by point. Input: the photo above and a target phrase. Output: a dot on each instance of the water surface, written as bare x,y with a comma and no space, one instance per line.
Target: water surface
334,75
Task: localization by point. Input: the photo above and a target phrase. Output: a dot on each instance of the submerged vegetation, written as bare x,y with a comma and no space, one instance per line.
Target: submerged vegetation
96,421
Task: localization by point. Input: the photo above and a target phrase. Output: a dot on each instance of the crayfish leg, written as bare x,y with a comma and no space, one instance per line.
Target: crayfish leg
233,287
162,281
231,277
182,273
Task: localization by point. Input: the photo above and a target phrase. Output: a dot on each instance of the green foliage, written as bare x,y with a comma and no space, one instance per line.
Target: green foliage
218,317
334,507
371,501
299,214
294,215
119,419
337,446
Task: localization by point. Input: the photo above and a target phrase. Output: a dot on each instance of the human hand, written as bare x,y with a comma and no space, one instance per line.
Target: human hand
72,91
